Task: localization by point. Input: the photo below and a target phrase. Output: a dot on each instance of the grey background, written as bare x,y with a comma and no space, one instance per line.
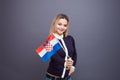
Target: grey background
95,26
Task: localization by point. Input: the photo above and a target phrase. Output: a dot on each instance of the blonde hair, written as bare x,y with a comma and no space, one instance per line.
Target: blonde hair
55,20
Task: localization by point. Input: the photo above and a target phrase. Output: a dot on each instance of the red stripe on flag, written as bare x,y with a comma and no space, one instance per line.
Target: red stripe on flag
51,37
39,49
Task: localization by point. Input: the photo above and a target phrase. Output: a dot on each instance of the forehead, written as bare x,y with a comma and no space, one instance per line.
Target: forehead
64,21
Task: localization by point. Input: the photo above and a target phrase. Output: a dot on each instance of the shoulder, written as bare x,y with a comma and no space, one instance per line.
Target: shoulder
70,37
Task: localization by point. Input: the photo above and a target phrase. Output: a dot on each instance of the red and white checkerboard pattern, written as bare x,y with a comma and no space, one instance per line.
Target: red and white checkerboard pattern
48,47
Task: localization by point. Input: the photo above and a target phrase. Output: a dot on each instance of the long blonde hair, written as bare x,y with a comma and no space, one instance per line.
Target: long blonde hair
55,20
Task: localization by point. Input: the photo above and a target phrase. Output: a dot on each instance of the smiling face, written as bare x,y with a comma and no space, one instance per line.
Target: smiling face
61,26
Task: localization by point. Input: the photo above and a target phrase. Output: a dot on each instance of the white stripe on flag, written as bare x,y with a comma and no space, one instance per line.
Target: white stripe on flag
42,53
54,41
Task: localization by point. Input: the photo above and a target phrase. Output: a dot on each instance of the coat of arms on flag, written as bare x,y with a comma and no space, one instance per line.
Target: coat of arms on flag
49,47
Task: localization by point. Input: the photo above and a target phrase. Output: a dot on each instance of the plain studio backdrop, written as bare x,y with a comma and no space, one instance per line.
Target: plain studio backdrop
94,24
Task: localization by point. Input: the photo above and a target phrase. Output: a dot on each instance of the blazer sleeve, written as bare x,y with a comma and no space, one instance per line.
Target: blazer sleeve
74,57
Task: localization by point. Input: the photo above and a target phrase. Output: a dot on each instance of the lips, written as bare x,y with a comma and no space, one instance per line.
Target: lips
61,30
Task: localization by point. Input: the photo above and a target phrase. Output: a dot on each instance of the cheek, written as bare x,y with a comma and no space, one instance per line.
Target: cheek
65,28
56,28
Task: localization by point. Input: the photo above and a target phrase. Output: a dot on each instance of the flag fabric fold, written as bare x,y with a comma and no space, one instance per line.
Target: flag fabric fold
48,48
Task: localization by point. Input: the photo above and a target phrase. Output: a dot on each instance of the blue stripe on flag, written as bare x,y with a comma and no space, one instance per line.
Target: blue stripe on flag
49,54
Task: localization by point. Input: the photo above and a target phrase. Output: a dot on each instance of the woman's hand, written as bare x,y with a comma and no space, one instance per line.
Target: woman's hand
69,63
72,69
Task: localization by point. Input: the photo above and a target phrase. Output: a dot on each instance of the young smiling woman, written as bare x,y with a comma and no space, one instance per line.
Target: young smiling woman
62,64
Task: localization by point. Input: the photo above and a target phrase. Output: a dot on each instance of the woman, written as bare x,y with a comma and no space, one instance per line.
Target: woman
62,63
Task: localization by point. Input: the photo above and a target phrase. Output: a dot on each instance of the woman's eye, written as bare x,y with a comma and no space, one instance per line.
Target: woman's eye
65,25
59,24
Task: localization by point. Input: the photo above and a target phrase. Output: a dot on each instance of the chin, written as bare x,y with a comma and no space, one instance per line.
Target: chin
60,33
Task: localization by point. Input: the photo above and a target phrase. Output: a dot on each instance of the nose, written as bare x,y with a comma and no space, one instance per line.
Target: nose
62,26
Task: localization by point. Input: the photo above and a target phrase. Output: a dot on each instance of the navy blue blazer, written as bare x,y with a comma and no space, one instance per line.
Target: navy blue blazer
57,61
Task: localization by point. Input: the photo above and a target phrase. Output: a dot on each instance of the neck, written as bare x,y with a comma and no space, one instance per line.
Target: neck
58,36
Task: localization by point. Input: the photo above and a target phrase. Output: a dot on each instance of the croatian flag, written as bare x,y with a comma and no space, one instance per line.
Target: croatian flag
49,47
